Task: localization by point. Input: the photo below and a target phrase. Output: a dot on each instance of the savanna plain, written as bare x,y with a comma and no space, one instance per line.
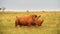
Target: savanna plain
51,24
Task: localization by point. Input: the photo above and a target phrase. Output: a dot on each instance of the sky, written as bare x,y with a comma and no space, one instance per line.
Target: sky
30,4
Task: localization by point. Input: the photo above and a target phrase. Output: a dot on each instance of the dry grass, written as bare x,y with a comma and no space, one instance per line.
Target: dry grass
51,24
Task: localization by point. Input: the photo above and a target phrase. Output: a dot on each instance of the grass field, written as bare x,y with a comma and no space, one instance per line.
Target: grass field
51,24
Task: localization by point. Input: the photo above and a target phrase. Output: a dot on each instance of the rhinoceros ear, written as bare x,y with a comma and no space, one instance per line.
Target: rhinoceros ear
38,16
34,16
